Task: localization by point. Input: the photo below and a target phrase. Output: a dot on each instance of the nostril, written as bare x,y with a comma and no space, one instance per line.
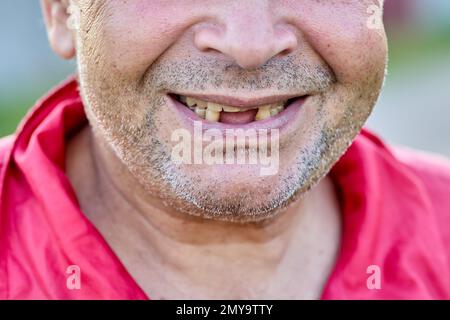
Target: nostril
210,50
286,39
285,52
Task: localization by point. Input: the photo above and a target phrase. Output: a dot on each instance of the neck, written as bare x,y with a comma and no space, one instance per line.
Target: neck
173,255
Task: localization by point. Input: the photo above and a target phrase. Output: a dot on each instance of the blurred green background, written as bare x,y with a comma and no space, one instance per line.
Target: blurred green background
413,110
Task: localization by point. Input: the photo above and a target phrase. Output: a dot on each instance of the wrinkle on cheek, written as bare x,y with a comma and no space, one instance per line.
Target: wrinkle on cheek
92,17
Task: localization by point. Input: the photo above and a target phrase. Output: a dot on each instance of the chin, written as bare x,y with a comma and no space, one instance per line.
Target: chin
233,194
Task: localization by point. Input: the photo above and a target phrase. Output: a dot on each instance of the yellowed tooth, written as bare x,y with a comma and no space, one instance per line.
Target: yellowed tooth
274,111
211,115
279,106
191,102
214,107
231,109
263,113
200,112
202,104
183,99
213,111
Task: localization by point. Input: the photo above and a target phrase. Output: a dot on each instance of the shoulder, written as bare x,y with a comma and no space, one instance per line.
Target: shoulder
433,172
420,174
431,169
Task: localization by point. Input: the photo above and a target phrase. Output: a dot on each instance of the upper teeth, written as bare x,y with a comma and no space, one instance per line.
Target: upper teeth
231,109
211,111
263,112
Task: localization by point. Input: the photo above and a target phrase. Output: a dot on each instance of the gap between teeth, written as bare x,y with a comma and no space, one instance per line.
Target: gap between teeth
211,111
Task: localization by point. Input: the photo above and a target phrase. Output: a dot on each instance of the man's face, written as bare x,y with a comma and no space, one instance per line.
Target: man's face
317,61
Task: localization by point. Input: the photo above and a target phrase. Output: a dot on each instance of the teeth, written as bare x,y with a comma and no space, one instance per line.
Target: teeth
201,104
190,102
194,104
231,109
214,107
211,111
200,112
213,116
263,113
276,110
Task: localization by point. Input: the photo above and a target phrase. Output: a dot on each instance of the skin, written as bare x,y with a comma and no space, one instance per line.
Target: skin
208,231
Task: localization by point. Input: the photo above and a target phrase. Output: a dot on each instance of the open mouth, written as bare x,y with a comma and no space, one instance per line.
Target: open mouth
238,113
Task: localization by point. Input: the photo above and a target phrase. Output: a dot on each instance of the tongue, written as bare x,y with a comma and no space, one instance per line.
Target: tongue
238,117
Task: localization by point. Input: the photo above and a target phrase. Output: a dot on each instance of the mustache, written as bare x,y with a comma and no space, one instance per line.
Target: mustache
288,75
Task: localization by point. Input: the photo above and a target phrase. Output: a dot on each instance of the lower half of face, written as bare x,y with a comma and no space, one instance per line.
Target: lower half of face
213,139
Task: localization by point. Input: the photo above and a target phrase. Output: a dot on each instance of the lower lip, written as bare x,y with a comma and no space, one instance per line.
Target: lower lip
281,121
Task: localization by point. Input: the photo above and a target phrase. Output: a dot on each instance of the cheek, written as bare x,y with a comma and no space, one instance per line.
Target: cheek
133,34
340,35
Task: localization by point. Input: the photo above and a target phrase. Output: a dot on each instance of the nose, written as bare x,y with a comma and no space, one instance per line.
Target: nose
248,35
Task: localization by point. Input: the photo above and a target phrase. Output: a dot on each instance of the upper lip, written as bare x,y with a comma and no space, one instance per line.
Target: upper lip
240,101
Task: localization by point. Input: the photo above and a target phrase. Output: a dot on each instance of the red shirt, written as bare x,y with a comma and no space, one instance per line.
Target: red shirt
395,211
